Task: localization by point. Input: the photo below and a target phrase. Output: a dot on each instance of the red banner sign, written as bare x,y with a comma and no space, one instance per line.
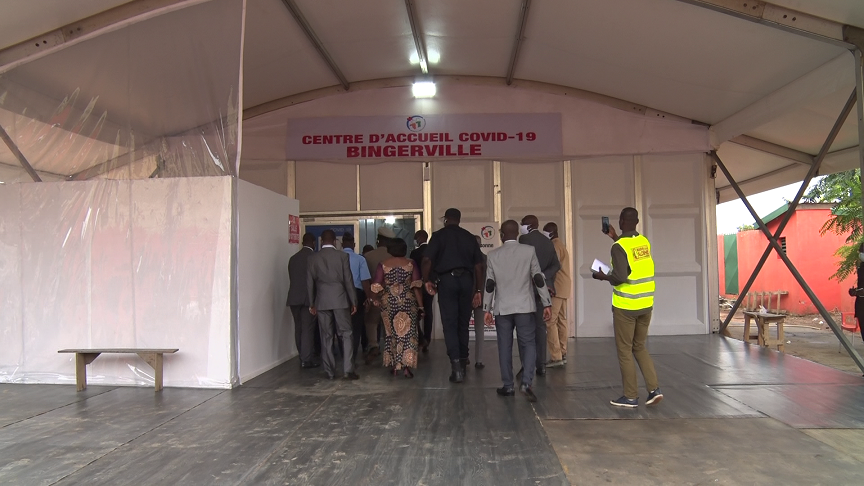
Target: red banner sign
425,137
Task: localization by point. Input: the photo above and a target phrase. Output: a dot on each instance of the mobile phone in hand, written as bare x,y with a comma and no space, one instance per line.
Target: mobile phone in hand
605,220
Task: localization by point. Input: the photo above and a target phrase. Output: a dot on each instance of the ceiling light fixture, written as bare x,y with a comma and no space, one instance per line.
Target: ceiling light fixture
423,89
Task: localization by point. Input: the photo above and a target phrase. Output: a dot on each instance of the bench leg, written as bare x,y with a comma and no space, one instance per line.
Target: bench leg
81,362
155,361
746,328
781,346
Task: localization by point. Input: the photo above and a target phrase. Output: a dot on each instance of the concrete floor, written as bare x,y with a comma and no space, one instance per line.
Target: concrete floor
733,414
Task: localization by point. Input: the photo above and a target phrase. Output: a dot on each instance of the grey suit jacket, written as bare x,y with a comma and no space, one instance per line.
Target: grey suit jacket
297,270
329,280
510,279
546,255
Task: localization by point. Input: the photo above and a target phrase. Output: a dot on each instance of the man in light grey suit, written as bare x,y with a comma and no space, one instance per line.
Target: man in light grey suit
332,297
549,265
298,302
512,275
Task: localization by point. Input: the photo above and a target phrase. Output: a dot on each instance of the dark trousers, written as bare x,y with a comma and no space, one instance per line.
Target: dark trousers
525,335
358,322
454,300
342,320
540,333
428,317
304,332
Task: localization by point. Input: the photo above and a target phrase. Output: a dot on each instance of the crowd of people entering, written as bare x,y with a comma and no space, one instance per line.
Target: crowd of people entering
378,305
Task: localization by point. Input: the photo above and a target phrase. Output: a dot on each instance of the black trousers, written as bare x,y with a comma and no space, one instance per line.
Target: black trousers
358,322
454,300
428,317
304,331
540,333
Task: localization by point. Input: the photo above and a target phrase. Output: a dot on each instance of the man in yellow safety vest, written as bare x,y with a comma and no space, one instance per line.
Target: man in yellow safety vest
632,279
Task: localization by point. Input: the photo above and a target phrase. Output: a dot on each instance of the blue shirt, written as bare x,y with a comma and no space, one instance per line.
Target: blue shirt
359,268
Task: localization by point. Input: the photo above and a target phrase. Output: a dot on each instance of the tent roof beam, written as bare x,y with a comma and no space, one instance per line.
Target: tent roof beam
70,34
773,149
419,45
787,19
316,42
520,36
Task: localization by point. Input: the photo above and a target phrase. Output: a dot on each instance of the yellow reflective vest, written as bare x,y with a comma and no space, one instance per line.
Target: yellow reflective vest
638,292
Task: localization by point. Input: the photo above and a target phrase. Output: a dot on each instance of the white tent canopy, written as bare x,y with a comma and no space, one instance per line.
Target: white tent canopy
768,77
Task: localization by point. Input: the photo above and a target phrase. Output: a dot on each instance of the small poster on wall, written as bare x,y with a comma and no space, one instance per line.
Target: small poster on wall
488,233
489,240
293,229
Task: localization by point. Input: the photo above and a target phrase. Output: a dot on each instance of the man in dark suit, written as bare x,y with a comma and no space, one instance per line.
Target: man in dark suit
298,302
549,265
333,299
420,239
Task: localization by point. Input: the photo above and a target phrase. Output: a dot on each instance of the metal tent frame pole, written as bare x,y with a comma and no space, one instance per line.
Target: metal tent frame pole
18,155
773,242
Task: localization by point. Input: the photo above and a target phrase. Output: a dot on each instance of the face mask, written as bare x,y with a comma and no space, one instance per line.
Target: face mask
524,229
861,256
548,234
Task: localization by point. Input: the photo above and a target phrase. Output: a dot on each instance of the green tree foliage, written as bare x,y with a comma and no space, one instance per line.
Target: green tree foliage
748,227
843,191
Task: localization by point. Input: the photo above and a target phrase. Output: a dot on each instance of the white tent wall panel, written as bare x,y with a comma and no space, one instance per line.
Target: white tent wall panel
269,175
265,326
467,185
117,264
11,301
324,186
391,186
533,188
602,186
672,216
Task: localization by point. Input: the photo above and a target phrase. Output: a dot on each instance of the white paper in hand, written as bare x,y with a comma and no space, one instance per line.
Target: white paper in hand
599,266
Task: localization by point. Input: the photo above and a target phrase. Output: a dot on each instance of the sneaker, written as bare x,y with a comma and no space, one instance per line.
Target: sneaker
564,358
625,402
555,364
654,397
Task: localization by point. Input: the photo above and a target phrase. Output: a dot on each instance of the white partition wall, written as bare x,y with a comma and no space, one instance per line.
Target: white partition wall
265,328
143,263
464,184
602,186
667,191
672,215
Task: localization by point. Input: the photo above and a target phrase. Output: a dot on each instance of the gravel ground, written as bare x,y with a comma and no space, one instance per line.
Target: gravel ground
810,338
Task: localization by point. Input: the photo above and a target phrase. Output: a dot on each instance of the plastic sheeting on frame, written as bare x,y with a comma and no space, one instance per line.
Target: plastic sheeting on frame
116,264
157,98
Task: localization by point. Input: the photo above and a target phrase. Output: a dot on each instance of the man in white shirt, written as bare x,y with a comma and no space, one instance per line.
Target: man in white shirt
512,275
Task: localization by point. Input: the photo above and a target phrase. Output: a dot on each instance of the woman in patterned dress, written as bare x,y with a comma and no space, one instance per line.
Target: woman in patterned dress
396,286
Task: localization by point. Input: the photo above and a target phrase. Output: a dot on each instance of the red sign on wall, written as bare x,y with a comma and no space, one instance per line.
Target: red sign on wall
425,137
294,229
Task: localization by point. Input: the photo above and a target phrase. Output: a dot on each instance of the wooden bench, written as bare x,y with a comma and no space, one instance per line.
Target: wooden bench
83,357
763,321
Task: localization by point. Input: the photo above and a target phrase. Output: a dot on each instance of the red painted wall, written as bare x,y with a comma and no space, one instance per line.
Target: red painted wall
811,253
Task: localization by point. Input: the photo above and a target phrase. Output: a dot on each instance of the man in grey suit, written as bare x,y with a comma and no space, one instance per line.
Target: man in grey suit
512,275
333,299
549,265
298,302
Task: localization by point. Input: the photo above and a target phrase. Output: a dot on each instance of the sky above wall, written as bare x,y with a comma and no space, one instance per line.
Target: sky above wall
732,214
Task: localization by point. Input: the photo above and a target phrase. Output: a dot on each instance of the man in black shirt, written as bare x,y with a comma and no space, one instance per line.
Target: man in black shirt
454,256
